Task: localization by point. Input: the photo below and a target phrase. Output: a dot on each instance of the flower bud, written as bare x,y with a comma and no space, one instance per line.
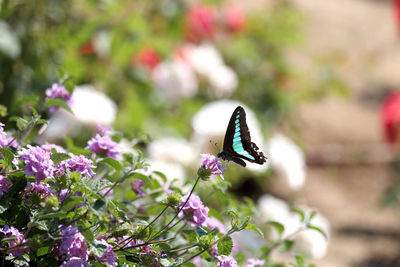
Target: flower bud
204,173
205,242
173,199
52,203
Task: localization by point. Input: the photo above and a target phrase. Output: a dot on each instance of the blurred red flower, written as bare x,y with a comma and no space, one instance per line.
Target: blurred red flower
201,23
234,18
147,57
397,10
390,115
87,48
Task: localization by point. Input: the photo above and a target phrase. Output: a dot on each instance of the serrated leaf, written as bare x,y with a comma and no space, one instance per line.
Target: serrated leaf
52,215
278,226
300,212
165,262
190,236
97,249
317,229
112,163
71,202
8,155
255,228
59,103
89,236
42,251
189,264
225,246
58,157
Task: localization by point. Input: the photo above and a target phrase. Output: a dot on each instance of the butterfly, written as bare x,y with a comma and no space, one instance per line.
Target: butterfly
237,142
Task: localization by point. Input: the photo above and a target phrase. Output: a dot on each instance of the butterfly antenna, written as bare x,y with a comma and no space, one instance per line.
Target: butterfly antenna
214,144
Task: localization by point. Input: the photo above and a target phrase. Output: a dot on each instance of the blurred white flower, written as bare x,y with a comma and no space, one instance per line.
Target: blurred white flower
211,121
92,106
203,58
126,147
223,81
173,171
309,241
9,42
102,43
288,159
174,80
173,150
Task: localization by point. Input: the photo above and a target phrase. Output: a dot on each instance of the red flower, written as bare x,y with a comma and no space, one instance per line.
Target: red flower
234,18
87,48
391,116
147,57
200,23
397,10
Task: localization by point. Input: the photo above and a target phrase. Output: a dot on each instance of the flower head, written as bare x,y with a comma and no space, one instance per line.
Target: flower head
213,223
194,211
102,129
148,58
73,244
227,261
78,163
58,91
17,245
137,187
6,140
40,189
109,255
234,18
75,262
201,23
390,114
5,184
253,263
104,145
37,162
48,147
211,163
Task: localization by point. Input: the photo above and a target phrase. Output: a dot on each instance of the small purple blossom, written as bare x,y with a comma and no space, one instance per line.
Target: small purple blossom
5,184
254,263
109,255
18,245
37,162
102,129
74,262
78,163
40,189
58,91
212,163
48,147
7,140
213,223
194,210
107,191
227,261
73,244
137,187
104,145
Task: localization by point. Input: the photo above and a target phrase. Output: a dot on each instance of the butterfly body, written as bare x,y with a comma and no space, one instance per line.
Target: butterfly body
237,142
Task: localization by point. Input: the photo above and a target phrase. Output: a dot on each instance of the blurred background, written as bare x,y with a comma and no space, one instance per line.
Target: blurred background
318,80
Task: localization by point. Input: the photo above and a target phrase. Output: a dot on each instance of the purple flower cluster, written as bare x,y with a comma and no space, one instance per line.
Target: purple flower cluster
103,130
48,147
18,244
41,189
78,163
6,140
210,162
74,262
109,255
254,263
104,145
227,261
58,91
194,210
213,223
5,184
137,187
37,162
73,244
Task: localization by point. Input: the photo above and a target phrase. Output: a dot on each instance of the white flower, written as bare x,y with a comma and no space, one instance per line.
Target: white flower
174,80
102,43
9,43
203,58
309,241
223,81
173,150
92,106
174,172
211,121
288,159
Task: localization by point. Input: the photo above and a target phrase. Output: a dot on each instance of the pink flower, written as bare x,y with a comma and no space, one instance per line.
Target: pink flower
234,18
104,145
109,255
37,162
254,263
194,211
201,23
137,187
227,261
40,189
397,11
77,163
213,223
148,58
73,244
18,244
48,147
75,262
390,115
212,163
58,91
5,184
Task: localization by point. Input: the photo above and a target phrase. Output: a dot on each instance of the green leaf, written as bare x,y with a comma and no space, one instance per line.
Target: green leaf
313,227
164,246
3,111
71,202
299,259
8,155
300,212
200,231
99,204
278,226
112,163
97,249
89,236
59,103
3,207
165,262
255,228
225,246
58,157
42,251
288,244
189,264
52,215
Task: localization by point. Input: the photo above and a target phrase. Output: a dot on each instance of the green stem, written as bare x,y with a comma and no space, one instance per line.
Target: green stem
280,242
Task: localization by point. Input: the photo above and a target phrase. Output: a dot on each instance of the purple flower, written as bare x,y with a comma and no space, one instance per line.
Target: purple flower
102,129
18,244
5,184
210,162
213,223
58,91
104,145
253,263
7,140
37,162
227,261
109,255
40,189
48,147
78,163
137,185
63,194
194,210
73,244
107,191
74,262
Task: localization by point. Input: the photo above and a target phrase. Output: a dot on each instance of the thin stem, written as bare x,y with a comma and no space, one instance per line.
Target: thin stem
19,170
280,242
150,243
161,232
184,248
